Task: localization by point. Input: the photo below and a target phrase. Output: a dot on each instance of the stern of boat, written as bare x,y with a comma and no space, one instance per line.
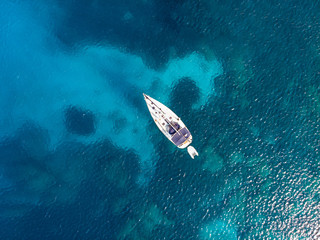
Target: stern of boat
186,143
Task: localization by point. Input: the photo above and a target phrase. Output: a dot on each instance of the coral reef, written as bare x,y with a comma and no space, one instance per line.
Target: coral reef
79,121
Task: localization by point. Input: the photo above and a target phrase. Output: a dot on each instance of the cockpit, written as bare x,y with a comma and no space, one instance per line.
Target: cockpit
173,127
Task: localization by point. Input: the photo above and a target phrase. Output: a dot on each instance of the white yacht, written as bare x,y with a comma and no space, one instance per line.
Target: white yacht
170,125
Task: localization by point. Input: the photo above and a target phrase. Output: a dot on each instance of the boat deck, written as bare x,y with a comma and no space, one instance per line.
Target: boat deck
180,136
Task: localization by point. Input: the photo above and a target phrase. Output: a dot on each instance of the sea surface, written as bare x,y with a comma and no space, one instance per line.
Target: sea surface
80,157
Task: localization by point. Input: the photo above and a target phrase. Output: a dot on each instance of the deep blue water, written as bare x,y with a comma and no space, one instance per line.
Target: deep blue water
80,157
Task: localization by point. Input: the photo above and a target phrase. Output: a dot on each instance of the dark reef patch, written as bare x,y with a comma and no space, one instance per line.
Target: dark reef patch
34,140
23,171
79,121
28,146
184,94
154,30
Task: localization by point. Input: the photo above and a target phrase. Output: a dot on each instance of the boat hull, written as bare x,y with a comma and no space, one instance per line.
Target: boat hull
169,123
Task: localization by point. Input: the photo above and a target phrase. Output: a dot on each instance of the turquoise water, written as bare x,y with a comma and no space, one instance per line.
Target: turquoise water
80,157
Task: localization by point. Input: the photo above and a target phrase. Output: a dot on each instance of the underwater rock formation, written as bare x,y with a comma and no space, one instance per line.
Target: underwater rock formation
22,167
142,226
213,162
34,140
79,121
185,93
